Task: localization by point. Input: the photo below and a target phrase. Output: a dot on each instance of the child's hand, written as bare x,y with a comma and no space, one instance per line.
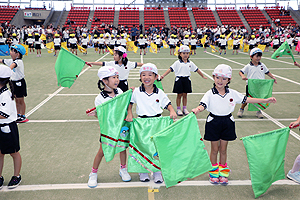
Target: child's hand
161,77
173,115
244,78
91,113
296,64
196,111
204,77
132,88
271,100
294,124
128,118
88,63
275,80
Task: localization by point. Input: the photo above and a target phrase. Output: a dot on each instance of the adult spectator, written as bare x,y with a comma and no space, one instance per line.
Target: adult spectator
133,31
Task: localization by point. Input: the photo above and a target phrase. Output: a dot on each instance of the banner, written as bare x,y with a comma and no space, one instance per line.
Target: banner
153,48
284,49
50,47
230,44
261,47
246,48
131,46
165,44
4,50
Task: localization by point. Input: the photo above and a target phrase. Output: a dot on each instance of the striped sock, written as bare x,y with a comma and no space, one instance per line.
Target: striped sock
123,166
94,170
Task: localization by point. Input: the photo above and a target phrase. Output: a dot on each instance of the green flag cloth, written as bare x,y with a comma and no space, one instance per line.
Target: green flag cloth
265,153
142,158
260,88
158,84
114,129
284,49
181,151
67,68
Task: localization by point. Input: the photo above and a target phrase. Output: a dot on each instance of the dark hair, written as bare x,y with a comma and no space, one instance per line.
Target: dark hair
101,85
180,58
16,51
5,81
36,37
124,60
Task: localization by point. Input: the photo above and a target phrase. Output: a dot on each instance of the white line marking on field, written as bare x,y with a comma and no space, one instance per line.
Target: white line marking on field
56,92
276,60
149,184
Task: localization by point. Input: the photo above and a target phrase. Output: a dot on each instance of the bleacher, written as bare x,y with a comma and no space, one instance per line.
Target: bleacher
274,13
8,13
204,16
78,16
129,17
104,15
229,16
152,15
254,17
179,16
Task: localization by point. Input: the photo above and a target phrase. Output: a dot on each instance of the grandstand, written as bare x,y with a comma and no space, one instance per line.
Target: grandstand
204,16
129,17
153,15
7,13
78,16
229,16
103,15
254,17
179,17
274,13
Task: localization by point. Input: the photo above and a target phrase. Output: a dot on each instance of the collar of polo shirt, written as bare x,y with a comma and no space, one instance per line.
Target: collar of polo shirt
3,89
105,94
215,91
155,89
259,63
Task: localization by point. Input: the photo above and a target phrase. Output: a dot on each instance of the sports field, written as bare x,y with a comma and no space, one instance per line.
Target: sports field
59,142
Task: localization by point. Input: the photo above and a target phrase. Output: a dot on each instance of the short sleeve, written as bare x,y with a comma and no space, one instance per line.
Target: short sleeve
111,63
133,97
266,70
5,106
164,100
131,65
205,99
239,98
245,70
194,68
7,62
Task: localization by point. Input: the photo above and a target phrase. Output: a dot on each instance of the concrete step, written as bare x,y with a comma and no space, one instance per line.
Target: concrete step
246,25
141,18
116,18
192,18
167,18
295,15
63,18
218,20
89,22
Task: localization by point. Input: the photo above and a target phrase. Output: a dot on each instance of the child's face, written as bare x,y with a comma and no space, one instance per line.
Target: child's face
220,82
256,58
112,82
116,56
185,55
14,54
148,78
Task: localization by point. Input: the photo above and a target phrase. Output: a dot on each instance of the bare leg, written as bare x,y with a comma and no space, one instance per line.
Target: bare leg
17,163
98,158
223,151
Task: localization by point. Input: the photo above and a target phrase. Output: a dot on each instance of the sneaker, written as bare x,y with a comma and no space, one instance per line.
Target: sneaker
179,113
294,176
185,111
144,177
1,182
259,115
240,113
214,180
14,182
124,175
22,119
223,180
157,177
93,180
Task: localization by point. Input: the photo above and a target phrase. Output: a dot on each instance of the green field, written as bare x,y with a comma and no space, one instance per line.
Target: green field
59,142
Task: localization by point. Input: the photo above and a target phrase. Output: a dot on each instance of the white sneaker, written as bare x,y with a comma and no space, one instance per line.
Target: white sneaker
240,113
92,180
124,175
179,113
185,111
144,177
157,177
259,115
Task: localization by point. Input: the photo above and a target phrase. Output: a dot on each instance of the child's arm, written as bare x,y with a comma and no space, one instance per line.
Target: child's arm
243,76
95,63
272,76
295,123
200,73
200,108
173,114
165,74
139,64
129,113
256,100
296,64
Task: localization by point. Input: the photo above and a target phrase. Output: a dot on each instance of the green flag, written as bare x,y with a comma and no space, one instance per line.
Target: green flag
284,49
260,88
181,151
158,84
114,130
265,153
67,68
142,150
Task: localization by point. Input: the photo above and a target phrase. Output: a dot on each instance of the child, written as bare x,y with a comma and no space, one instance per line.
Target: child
171,43
222,43
146,98
109,80
182,85
275,43
84,43
193,43
56,42
9,135
121,64
2,39
252,42
294,173
38,41
158,42
95,42
236,45
73,43
101,44
142,43
30,43
112,42
220,126
17,78
15,39
207,43
254,70
267,42
123,41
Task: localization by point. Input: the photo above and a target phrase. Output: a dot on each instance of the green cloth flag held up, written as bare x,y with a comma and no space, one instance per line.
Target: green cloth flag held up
284,49
159,84
260,88
181,151
114,129
142,158
265,153
67,68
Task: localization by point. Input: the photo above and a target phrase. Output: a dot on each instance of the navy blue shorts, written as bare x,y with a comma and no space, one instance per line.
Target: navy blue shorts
9,138
182,85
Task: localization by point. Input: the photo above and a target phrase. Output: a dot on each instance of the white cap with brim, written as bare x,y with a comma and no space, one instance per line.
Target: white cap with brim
255,51
5,71
149,67
120,48
106,71
184,48
223,71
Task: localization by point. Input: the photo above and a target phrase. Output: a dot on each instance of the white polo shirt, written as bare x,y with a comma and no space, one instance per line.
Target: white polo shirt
236,42
103,96
123,42
123,70
186,42
73,40
112,41
158,41
56,41
171,41
193,41
142,41
39,41
275,42
221,105
18,71
7,106
222,42
95,40
30,40
255,72
149,104
85,41
2,40
100,41
252,42
183,69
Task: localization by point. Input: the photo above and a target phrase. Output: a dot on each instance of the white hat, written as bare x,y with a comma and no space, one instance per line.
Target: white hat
149,67
184,48
254,51
223,71
5,71
120,48
106,71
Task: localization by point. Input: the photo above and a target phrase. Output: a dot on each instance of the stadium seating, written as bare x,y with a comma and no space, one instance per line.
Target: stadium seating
153,15
274,13
204,16
7,13
78,15
254,17
229,16
129,17
179,16
104,15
